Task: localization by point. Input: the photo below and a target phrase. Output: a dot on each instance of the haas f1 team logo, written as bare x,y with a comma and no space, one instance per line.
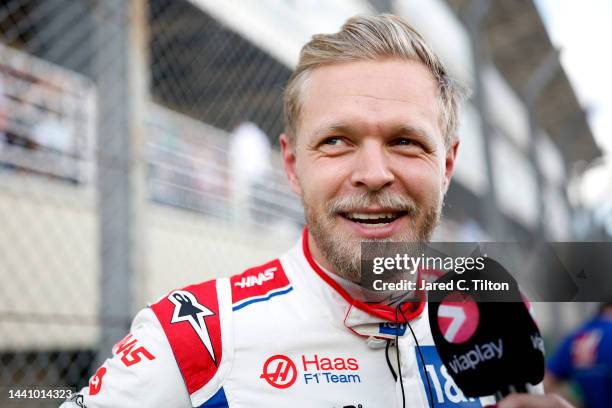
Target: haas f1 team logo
188,309
279,371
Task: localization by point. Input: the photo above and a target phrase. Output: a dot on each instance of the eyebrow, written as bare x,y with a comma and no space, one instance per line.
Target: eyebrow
342,127
348,128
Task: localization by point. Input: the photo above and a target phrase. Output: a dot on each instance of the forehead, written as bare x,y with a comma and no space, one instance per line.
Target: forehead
371,94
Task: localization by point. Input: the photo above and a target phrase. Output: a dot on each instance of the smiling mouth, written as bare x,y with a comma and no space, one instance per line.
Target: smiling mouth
382,218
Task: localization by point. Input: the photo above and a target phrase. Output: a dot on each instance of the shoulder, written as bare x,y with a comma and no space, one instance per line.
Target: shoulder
197,322
259,284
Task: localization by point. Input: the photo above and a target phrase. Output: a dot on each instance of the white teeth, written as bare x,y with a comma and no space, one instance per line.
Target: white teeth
361,216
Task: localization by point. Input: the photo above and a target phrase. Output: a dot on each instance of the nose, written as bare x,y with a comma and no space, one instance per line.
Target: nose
371,168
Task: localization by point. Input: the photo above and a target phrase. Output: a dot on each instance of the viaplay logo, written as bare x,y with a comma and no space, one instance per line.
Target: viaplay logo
458,317
281,372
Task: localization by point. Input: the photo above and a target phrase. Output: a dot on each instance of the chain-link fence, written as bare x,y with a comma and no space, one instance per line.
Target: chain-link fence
135,156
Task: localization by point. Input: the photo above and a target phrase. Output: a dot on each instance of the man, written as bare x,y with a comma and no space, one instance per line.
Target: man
585,357
370,147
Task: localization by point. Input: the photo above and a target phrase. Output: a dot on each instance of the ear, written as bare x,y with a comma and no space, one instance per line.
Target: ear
449,162
289,158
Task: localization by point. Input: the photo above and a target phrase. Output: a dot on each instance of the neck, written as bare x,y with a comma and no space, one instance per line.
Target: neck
318,257
411,309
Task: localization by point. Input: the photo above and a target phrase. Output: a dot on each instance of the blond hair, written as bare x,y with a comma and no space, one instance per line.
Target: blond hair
372,38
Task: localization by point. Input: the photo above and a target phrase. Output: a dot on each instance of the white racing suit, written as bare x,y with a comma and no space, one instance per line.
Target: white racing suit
283,334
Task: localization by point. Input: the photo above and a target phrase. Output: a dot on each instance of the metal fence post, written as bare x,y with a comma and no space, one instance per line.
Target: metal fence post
474,15
539,79
122,90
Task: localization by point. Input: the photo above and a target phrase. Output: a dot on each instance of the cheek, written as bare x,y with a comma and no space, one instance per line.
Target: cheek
423,181
321,179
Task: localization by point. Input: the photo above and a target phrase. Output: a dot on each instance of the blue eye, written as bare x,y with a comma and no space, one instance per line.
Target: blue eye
404,142
334,140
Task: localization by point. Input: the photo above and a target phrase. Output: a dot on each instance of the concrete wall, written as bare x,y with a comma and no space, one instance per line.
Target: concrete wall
49,259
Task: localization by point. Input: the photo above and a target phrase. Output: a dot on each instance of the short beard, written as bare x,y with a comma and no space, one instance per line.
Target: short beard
343,252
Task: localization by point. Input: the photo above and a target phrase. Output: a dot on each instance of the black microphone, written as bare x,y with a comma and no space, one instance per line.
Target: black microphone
485,337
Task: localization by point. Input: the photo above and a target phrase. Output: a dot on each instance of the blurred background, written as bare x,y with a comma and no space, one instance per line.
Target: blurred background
139,153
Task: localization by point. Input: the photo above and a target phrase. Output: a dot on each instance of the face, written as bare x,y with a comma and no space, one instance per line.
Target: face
368,160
